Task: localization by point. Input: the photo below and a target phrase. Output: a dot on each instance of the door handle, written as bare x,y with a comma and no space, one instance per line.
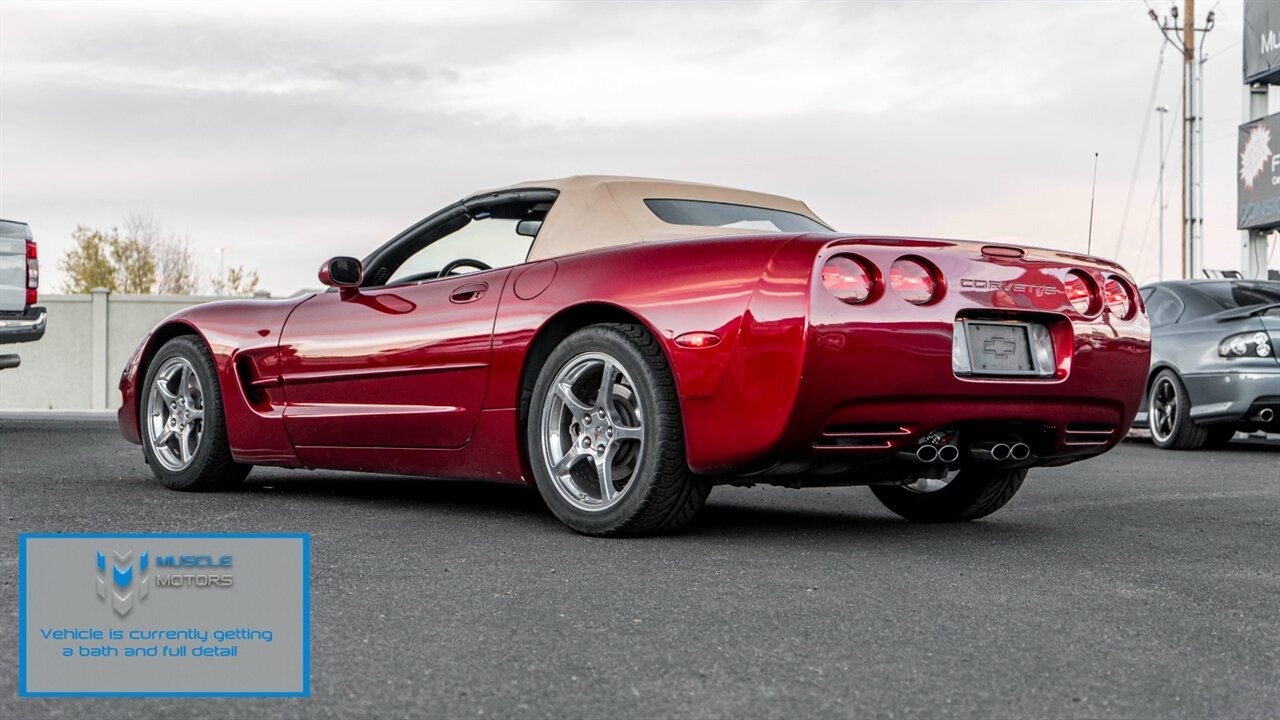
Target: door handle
468,293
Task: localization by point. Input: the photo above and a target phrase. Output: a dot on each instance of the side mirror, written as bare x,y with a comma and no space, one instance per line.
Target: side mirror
528,228
344,273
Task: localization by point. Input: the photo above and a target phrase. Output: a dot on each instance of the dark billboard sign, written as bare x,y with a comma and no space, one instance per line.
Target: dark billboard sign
1262,41
1258,174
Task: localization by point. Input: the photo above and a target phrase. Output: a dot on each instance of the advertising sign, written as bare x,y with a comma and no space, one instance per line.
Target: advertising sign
1262,41
1258,174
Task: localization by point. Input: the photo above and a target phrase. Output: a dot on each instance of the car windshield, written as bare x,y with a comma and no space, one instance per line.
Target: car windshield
1232,295
728,215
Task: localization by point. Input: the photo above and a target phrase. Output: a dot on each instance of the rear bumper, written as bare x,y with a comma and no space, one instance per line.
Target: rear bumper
1232,396
27,327
866,401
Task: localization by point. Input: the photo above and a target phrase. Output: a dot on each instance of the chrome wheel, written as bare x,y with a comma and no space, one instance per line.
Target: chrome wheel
592,431
175,413
1163,411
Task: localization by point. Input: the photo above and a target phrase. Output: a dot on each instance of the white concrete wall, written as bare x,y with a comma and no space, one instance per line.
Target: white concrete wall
77,364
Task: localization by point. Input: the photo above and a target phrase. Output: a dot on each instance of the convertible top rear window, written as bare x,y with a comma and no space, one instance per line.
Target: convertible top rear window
728,215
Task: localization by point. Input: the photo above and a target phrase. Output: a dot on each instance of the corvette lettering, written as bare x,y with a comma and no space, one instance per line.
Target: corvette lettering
1017,287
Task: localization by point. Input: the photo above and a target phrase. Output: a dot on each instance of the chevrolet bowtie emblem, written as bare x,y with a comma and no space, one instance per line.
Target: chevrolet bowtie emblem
999,347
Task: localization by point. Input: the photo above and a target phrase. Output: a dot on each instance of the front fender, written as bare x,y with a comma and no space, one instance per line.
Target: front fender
243,337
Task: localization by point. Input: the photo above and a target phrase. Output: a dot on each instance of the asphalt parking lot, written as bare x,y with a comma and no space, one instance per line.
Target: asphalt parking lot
1141,584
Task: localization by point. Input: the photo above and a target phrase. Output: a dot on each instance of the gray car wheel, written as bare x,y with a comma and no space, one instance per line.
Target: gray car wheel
1169,415
184,431
605,438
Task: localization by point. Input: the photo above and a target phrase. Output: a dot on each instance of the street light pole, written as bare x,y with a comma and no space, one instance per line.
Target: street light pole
1163,110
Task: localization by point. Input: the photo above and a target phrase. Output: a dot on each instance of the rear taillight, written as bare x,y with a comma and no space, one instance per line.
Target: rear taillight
1081,293
1250,344
33,273
914,281
1118,297
849,279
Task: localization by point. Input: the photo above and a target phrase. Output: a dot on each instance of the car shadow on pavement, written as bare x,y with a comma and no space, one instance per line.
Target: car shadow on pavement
1250,443
723,520
396,490
724,516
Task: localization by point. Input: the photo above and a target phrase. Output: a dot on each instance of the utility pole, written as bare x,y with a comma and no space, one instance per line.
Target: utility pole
1163,110
1192,141
1188,141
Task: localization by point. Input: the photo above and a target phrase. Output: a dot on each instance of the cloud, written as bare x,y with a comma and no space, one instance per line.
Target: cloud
288,132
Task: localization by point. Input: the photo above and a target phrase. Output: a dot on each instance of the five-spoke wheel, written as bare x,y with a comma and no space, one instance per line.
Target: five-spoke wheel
175,421
1169,416
605,439
184,431
592,431
1163,411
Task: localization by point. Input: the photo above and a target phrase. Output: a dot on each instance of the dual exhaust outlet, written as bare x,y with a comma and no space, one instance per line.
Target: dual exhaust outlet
1000,452
982,451
937,453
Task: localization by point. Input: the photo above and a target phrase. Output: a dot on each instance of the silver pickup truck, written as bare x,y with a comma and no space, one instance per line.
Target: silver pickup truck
20,319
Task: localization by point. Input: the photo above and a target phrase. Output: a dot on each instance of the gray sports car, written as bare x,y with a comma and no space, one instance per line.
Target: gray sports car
1213,361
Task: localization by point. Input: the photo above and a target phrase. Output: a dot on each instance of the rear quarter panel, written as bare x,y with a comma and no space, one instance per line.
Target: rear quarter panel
734,395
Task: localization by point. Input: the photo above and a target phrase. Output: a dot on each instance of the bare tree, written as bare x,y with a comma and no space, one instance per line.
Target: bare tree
135,265
175,270
236,281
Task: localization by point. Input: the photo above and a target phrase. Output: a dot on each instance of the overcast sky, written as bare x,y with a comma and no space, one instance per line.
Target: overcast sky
287,133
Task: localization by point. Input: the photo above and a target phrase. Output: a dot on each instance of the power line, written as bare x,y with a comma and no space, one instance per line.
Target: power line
1142,144
1207,58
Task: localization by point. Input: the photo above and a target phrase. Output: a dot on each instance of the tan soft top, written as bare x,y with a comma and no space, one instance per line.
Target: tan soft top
597,211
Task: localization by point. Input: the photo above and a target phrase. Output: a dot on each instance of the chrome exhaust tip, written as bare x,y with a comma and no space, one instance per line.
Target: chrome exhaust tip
990,451
1266,415
1019,451
948,454
927,454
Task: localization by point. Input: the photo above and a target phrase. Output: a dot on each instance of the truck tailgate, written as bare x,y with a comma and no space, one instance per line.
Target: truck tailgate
13,266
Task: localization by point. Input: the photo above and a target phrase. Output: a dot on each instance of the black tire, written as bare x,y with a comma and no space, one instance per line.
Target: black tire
971,494
1182,433
211,466
662,495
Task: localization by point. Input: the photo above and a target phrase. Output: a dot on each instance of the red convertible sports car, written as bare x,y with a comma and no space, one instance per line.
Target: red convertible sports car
626,344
